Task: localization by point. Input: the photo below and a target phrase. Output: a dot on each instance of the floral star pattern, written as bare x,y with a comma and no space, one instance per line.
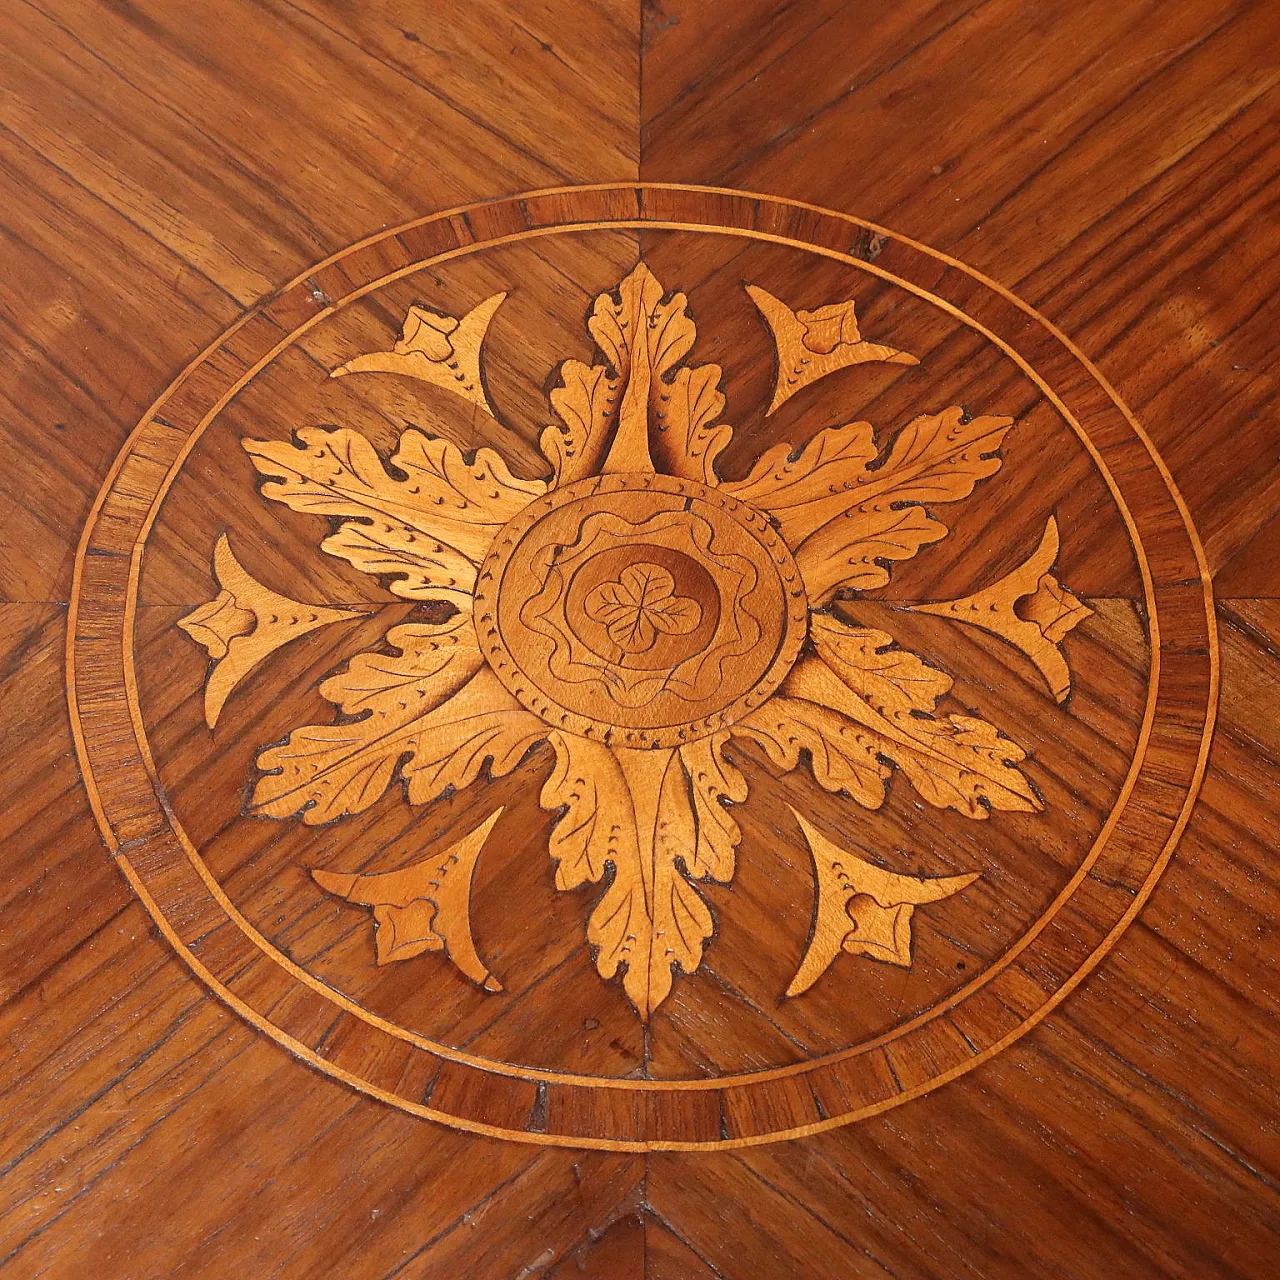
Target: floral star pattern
638,613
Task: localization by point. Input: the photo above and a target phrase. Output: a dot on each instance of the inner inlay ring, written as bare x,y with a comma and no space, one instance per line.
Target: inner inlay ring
104,610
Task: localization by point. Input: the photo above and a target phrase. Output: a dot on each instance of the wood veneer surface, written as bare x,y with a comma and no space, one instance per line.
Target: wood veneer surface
1058,1058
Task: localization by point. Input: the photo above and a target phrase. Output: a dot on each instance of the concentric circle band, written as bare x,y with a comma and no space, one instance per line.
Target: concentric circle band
1012,995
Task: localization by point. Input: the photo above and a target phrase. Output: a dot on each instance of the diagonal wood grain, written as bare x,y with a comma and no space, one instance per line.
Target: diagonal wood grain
163,165
1121,178
1155,264
1164,1051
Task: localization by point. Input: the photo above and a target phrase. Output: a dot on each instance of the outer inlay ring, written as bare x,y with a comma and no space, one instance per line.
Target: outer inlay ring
1001,1004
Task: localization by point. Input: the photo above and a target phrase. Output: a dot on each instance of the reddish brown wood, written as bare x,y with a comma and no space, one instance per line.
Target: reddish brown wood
165,167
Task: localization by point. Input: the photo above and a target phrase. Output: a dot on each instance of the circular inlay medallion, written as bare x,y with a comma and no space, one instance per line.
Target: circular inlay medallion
516,741
644,610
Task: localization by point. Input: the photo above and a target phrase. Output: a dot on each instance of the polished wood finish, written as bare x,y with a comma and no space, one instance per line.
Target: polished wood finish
966,892
776,566
1051,612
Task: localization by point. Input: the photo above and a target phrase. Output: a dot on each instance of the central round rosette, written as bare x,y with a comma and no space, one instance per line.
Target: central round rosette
643,609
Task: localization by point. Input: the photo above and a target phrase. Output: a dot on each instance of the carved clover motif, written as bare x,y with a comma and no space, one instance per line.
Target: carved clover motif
638,613
640,605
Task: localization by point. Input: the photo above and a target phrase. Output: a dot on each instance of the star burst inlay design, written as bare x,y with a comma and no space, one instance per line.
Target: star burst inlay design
638,613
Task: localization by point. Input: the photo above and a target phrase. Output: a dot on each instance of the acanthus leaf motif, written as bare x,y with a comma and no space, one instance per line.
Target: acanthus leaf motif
656,817
586,403
845,517
843,755
689,437
714,784
645,578
431,712
641,407
432,528
954,762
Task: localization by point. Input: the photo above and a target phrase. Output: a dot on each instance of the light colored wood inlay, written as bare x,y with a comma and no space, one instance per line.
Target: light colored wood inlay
812,344
1050,612
426,907
862,908
637,616
244,624
436,348
754,1105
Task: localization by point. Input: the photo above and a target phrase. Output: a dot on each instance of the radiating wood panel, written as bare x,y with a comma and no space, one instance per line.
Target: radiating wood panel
394,1043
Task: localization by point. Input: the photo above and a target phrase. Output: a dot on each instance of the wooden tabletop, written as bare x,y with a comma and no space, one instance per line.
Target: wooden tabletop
639,640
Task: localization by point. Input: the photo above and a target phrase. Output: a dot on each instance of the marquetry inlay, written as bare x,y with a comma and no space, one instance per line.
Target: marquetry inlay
545,691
